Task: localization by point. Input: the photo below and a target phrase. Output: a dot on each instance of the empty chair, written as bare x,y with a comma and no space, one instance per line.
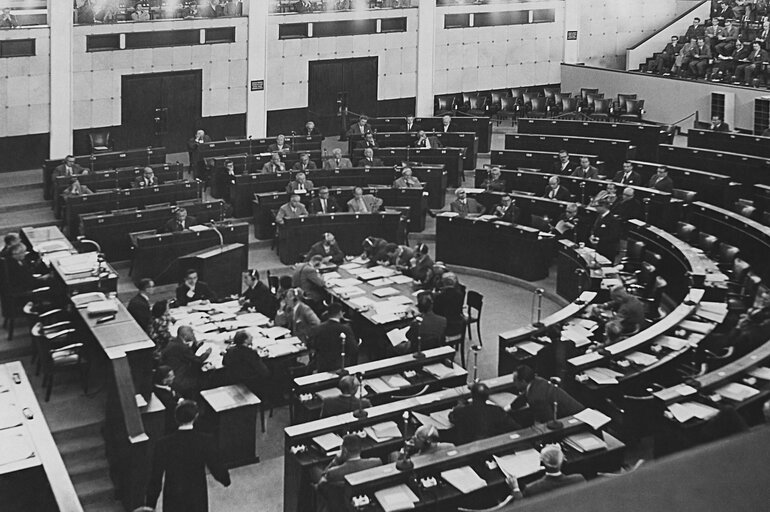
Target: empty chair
686,196
634,110
623,97
495,99
539,108
100,141
707,243
59,352
569,105
686,232
584,92
750,212
653,258
588,103
727,254
634,256
737,274
475,302
477,106
466,100
507,109
550,94
765,218
516,94
601,110
527,97
446,104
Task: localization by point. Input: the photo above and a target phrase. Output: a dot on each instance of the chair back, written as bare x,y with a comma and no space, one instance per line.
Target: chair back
538,222
635,251
467,97
550,92
749,212
100,140
634,107
516,93
686,232
559,97
529,96
585,92
602,106
474,300
445,103
478,102
496,97
569,104
652,257
507,103
687,196
538,104
727,254
740,270
623,97
591,98
707,243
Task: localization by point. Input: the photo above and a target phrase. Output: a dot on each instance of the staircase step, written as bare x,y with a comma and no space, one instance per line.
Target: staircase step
77,438
24,206
89,469
95,490
74,454
104,506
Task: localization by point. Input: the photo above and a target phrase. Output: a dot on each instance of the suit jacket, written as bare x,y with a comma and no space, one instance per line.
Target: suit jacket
172,226
186,365
721,127
311,166
260,298
309,279
447,129
183,458
627,209
541,395
61,170
293,185
355,129
432,143
341,404
479,421
273,148
662,184
592,173
21,275
409,129
140,182
431,331
496,185
169,399
512,214
337,473
344,163
326,343
371,204
633,179
285,212
201,292
301,322
192,149
549,483
244,366
608,230
471,206
422,271
139,307
563,169
448,303
374,162
337,256
331,205
561,193
271,168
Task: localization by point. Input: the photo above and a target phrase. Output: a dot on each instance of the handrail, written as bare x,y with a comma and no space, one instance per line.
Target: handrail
664,27
127,396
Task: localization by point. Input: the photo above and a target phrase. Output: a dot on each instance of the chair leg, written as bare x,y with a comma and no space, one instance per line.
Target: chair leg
262,418
478,331
470,332
462,351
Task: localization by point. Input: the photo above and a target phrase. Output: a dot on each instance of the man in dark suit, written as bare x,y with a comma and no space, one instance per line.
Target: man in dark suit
606,231
567,223
69,168
147,179
139,305
507,210
552,458
465,205
191,289
628,176
429,327
297,316
308,278
426,142
304,163
410,125
180,356
540,395
324,203
243,365
194,145
182,458
446,125
479,420
163,378
665,59
258,296
310,130
367,142
555,190
661,181
375,249
24,273
327,341
300,185
180,221
327,249
696,30
348,461
717,125
494,181
361,127
369,159
564,164
280,145
585,170
628,207
347,401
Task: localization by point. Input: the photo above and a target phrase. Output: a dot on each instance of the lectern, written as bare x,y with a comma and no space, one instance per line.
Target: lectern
221,267
235,412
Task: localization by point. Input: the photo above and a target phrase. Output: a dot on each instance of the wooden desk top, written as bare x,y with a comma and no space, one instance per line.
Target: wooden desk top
120,336
226,398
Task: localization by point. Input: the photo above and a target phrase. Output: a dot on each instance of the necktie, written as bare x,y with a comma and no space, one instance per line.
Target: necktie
338,162
626,177
323,205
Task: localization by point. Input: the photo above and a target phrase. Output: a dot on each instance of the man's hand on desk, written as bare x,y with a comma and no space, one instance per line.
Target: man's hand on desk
513,483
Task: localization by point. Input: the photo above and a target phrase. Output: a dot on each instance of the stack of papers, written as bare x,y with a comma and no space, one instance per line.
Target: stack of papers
396,498
398,336
385,292
343,283
102,307
215,357
349,291
328,393
464,479
383,281
377,385
439,370
84,299
519,464
760,372
641,359
328,442
361,302
585,442
16,445
383,431
78,263
395,381
596,419
737,392
276,332
577,334
688,410
674,392
712,311
503,399
601,375
401,279
699,327
530,347
672,343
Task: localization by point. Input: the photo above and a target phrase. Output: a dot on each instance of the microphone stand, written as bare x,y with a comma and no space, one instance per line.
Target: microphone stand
342,371
476,349
221,238
404,462
539,294
555,424
580,273
418,354
360,413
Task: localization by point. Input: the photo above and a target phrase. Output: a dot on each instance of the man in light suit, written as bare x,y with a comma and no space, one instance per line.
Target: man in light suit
304,163
147,179
337,161
554,190
324,203
363,203
297,316
274,165
446,124
466,205
291,210
586,170
369,160
407,180
181,221
628,176
280,145
423,141
361,127
69,168
300,185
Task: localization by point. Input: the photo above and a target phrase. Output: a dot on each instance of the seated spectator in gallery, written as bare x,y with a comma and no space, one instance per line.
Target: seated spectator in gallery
280,145
407,180
661,180
665,59
8,20
609,194
274,165
361,127
368,142
148,178
363,203
369,160
309,130
300,185
337,161
291,210
555,190
585,170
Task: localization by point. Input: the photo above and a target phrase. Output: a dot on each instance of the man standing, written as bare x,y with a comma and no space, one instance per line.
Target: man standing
465,205
323,203
309,280
182,458
605,234
291,210
363,203
194,146
361,127
328,342
139,305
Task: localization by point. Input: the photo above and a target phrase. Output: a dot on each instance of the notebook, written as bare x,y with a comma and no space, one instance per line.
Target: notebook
737,392
385,292
519,464
585,442
396,498
328,442
464,479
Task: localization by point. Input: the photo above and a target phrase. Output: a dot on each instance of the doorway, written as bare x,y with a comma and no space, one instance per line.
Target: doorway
161,109
352,81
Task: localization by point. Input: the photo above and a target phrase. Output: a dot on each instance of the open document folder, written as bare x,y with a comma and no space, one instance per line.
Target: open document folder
396,498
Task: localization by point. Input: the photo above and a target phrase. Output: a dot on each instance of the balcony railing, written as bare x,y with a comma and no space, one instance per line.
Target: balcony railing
89,12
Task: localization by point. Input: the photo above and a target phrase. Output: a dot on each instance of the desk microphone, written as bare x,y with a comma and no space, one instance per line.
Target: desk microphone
221,237
580,273
538,292
555,424
342,371
419,354
360,413
476,349
404,462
